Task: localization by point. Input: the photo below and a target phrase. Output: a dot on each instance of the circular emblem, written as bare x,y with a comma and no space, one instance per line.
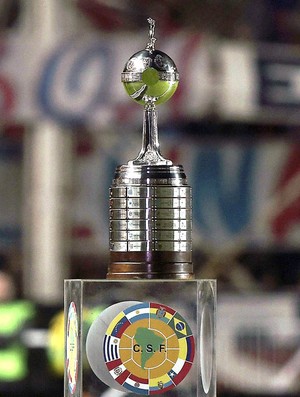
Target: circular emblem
72,348
148,348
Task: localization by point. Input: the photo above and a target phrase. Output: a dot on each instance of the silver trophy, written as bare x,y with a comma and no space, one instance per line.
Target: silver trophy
149,328
150,200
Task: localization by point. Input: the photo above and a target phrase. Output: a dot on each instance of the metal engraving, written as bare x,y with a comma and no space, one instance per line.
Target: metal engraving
137,203
118,224
137,214
166,224
118,214
186,224
137,191
118,203
172,203
137,246
175,213
137,77
171,235
118,192
118,235
118,246
170,191
133,224
137,235
172,246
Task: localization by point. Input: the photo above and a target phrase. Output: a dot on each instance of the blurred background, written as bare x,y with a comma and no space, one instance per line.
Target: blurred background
234,123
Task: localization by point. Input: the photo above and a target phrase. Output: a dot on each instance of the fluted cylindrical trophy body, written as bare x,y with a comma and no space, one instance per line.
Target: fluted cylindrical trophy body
150,223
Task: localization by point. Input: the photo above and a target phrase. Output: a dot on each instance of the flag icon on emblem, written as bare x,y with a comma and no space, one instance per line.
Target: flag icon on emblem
161,312
180,327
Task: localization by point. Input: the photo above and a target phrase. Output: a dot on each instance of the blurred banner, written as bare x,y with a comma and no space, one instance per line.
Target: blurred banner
258,344
259,82
78,80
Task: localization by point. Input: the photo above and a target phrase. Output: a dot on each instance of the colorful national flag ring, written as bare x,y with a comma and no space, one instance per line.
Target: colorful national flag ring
149,348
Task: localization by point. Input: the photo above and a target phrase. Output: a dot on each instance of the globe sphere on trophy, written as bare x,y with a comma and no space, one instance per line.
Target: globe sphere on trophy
150,77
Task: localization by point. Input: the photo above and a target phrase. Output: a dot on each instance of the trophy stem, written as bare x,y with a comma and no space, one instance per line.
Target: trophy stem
150,151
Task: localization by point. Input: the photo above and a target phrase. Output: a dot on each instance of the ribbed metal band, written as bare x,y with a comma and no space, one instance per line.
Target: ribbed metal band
151,222
135,77
155,218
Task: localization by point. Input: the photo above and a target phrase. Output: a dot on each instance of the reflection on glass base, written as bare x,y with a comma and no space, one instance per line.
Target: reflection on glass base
135,338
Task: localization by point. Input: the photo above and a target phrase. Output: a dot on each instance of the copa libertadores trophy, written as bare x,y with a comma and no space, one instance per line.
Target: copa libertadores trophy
149,328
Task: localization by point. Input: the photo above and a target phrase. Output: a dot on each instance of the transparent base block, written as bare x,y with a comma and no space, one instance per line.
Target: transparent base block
140,338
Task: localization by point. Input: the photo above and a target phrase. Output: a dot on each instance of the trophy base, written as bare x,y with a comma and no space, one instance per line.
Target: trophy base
140,337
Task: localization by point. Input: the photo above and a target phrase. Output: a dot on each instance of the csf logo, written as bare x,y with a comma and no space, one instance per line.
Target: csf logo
152,344
149,348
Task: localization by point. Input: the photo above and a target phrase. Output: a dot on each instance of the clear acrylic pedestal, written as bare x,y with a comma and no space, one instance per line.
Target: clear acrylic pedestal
138,337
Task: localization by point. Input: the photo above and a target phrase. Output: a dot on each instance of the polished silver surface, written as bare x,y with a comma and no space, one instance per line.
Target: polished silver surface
172,224
138,246
142,178
144,59
169,191
172,246
150,151
118,246
150,217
